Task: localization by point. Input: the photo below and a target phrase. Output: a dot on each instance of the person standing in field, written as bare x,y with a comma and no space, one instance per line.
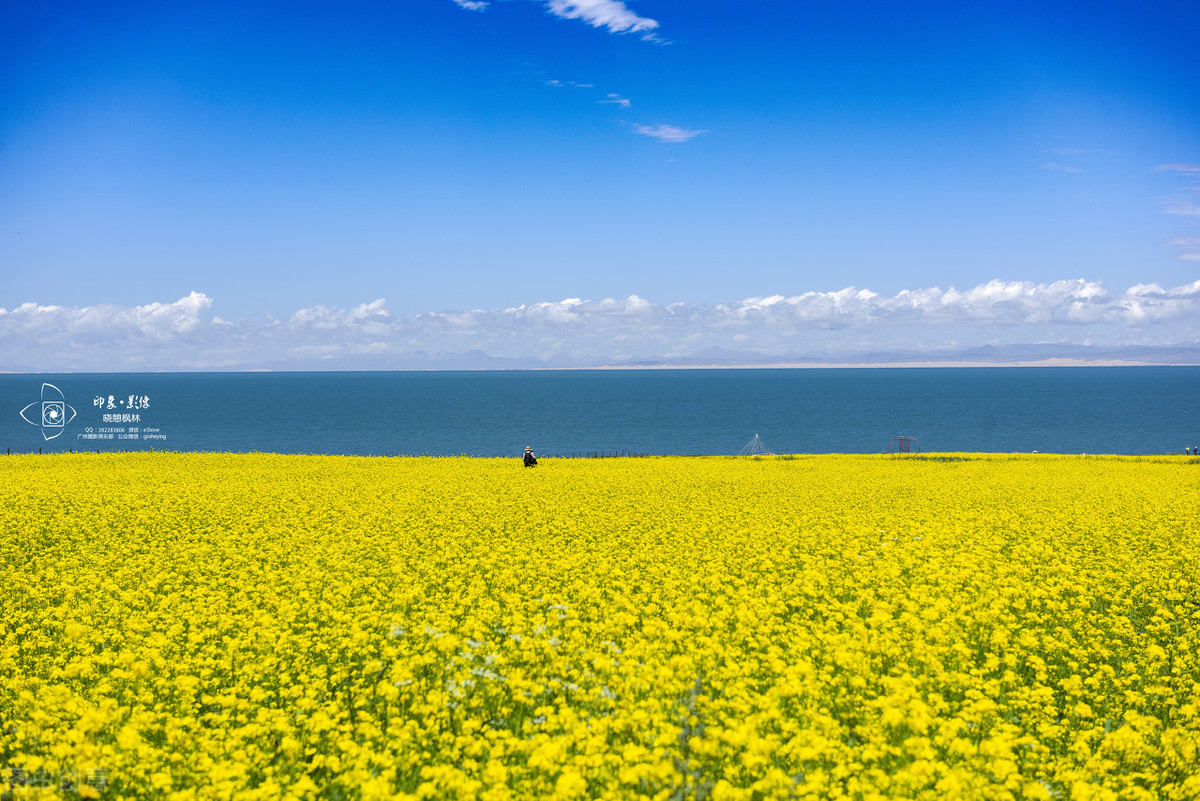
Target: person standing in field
530,459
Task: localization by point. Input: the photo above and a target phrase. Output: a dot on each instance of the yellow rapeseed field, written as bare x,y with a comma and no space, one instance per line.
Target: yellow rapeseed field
185,626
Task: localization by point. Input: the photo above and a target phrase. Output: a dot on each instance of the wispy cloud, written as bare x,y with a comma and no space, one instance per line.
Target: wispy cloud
181,334
1184,204
610,14
1178,167
575,84
667,133
613,97
1182,208
1188,247
1056,167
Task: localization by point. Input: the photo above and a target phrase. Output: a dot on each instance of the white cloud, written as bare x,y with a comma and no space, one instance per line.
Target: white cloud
323,318
667,133
577,331
610,14
613,97
156,322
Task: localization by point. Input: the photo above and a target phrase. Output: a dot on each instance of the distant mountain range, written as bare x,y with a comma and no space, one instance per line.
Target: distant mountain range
1049,354
986,354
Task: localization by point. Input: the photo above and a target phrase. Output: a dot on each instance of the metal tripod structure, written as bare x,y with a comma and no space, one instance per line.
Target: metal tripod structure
755,447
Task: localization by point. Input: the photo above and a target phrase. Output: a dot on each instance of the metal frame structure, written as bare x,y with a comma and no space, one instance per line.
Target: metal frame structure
899,445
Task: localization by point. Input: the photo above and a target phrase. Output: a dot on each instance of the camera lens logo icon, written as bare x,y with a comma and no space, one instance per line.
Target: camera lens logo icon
56,412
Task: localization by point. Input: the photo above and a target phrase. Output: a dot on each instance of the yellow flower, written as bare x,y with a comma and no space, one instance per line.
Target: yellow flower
259,625
570,785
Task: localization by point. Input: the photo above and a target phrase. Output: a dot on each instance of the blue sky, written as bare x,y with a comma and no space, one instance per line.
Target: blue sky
198,185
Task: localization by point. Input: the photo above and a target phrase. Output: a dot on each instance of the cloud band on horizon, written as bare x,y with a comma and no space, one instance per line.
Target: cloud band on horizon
576,332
